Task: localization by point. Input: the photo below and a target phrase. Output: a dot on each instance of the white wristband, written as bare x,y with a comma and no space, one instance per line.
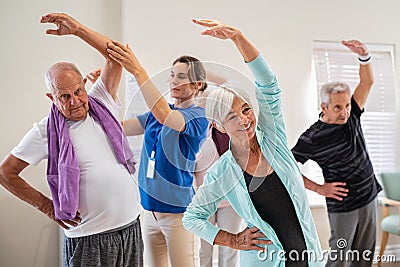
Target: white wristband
364,60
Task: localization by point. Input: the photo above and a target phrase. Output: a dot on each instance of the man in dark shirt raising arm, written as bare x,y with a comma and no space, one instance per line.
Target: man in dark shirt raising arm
337,144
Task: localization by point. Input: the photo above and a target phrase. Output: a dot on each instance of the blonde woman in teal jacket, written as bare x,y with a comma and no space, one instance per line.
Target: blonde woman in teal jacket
258,174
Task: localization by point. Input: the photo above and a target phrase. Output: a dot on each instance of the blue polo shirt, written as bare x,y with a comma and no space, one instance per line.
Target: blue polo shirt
170,190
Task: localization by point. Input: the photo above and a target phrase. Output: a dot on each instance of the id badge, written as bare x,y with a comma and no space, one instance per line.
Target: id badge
151,167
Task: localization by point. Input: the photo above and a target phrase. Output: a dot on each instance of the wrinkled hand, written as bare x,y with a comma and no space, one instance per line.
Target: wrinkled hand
65,24
335,190
249,239
93,76
217,29
124,56
48,209
356,47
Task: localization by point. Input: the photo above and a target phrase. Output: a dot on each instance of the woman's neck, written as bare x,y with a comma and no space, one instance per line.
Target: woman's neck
250,158
242,149
183,103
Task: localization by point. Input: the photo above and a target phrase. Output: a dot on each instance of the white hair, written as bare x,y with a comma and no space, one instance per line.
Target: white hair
54,71
219,102
332,88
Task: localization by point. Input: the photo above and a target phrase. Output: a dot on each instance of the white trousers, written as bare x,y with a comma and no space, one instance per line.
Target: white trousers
167,242
227,219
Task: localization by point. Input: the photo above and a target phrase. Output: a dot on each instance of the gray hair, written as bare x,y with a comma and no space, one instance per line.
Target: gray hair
54,71
332,88
219,102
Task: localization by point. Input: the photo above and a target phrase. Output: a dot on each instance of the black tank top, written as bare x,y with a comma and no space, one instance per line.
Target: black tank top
274,205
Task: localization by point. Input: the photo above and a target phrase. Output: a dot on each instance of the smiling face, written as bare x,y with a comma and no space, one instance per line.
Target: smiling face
338,109
240,122
69,95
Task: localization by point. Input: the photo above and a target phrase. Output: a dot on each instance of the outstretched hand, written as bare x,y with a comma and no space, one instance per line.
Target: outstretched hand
356,47
65,24
93,75
217,29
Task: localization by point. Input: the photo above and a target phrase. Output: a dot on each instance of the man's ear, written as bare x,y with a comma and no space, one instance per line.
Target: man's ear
49,95
84,80
323,106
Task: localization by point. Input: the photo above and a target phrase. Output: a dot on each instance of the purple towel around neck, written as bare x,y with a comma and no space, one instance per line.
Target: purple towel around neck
63,172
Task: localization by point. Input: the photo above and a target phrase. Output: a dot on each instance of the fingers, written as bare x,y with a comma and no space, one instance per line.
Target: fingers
252,239
47,18
54,32
94,75
60,223
116,49
206,22
335,190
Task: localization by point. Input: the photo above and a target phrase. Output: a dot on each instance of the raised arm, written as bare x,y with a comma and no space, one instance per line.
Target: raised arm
154,99
222,31
10,169
66,25
366,75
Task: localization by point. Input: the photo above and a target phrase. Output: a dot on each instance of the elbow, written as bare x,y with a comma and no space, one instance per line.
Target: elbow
371,81
185,221
161,115
4,180
188,221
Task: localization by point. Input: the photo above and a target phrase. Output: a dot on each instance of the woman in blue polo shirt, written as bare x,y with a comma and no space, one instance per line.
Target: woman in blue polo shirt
172,138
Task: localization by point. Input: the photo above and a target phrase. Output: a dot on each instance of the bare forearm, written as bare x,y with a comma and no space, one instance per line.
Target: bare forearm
224,238
311,185
366,74
245,47
10,169
21,189
94,39
154,99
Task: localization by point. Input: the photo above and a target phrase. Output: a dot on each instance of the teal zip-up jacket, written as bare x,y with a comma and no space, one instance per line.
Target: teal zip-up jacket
224,180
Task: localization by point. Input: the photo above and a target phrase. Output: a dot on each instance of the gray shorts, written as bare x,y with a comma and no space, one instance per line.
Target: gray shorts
121,247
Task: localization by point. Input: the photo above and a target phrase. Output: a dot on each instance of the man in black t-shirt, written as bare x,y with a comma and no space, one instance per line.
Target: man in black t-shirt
337,144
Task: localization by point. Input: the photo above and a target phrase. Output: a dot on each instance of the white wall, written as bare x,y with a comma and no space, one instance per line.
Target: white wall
159,31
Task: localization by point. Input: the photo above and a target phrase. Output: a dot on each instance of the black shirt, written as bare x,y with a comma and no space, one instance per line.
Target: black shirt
274,205
340,151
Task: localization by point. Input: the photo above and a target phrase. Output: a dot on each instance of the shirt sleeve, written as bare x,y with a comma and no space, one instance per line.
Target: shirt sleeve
355,108
143,119
268,95
99,91
196,122
303,150
33,146
203,205
261,71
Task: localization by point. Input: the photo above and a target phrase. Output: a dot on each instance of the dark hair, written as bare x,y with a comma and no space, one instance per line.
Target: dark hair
196,70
